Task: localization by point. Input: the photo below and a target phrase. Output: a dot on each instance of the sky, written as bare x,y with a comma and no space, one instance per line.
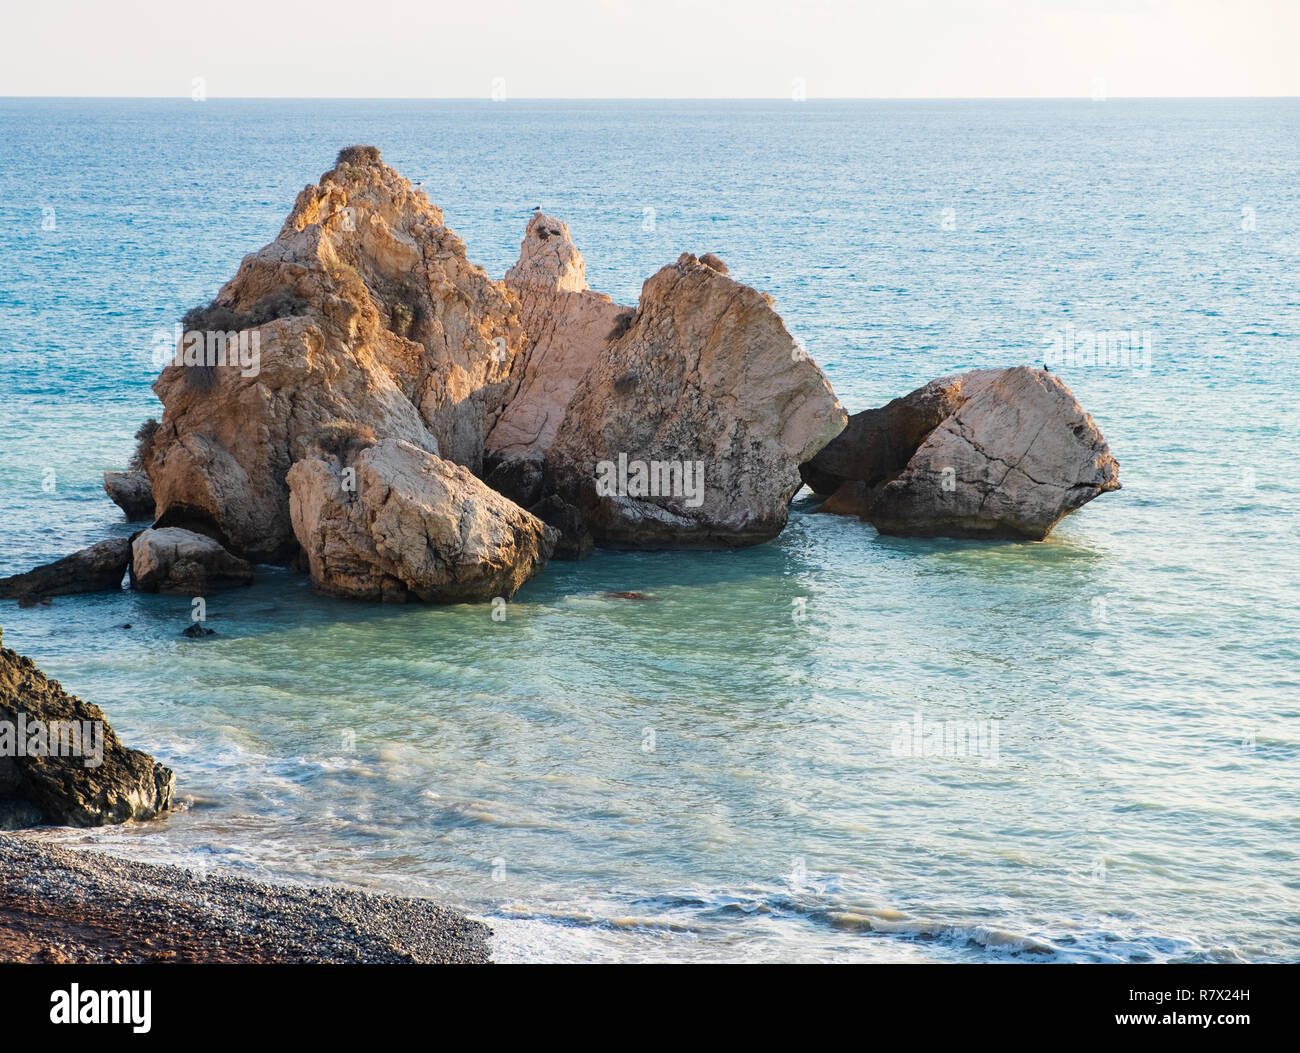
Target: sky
650,48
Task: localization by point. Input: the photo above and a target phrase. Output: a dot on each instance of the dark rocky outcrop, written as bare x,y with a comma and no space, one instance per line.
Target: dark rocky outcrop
60,762
877,443
98,568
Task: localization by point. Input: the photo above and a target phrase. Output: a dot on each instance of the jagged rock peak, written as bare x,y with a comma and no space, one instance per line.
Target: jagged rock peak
366,311
548,258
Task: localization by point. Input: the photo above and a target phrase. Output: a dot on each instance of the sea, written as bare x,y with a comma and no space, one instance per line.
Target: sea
835,746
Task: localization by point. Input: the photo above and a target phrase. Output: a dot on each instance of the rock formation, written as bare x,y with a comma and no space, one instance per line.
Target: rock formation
131,492
169,559
98,568
60,762
1002,453
705,375
364,310
568,327
407,524
365,315
679,423
344,394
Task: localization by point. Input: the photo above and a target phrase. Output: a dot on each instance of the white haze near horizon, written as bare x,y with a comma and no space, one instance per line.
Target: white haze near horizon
660,49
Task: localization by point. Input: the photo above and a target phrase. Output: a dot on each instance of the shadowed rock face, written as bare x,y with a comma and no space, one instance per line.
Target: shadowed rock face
414,526
63,790
367,312
98,568
879,442
987,454
700,383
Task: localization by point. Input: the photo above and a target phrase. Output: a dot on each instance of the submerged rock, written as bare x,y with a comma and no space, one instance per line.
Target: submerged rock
98,568
169,559
412,527
1002,453
60,762
132,493
365,310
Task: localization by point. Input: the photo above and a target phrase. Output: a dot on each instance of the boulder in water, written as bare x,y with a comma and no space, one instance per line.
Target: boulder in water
97,568
680,423
400,524
132,493
1002,453
169,559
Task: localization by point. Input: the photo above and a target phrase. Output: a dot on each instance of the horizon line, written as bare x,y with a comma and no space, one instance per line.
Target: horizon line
651,98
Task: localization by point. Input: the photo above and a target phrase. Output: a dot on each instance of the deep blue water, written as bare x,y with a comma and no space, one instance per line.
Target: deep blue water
1142,665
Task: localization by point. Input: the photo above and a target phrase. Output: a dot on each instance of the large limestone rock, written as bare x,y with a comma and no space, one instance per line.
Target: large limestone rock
132,493
366,314
98,568
393,522
987,454
87,778
169,559
568,327
366,311
681,422
690,429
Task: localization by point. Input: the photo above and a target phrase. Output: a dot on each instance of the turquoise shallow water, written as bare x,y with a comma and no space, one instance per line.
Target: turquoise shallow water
705,774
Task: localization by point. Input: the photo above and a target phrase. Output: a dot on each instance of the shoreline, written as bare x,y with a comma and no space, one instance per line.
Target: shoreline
66,906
